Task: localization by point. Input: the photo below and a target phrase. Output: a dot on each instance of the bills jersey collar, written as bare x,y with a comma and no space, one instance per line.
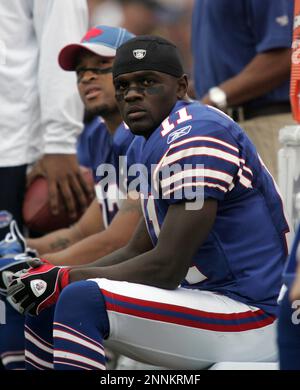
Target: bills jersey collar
180,104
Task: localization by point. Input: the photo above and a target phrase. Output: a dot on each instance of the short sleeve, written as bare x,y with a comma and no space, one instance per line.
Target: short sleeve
198,167
271,23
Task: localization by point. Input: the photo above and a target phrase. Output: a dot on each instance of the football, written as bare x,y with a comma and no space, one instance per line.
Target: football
37,215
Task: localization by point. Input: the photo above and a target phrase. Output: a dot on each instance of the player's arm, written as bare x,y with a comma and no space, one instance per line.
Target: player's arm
166,264
265,72
107,241
163,266
88,224
139,243
61,109
22,294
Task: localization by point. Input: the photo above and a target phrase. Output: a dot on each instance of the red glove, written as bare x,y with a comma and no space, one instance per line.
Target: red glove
33,290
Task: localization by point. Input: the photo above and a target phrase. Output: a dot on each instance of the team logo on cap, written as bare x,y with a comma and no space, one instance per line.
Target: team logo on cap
139,53
92,33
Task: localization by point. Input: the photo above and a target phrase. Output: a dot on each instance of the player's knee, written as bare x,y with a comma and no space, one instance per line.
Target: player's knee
78,296
82,301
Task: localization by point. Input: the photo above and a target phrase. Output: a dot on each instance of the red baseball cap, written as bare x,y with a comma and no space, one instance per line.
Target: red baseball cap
101,40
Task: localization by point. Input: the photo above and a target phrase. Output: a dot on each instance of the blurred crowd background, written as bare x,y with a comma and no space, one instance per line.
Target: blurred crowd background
169,18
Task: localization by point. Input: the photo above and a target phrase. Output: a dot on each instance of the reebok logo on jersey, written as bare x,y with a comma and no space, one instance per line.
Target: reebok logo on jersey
38,287
139,53
282,20
178,133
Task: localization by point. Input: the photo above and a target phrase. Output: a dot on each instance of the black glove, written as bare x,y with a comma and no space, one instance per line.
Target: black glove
33,290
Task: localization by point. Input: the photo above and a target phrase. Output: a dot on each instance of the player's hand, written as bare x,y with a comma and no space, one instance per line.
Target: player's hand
63,174
33,290
8,267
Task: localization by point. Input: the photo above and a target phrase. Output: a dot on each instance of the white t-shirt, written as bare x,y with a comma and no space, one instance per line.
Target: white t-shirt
40,109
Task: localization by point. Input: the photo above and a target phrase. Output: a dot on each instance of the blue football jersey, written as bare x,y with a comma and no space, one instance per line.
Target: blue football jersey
104,148
83,152
228,34
199,152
